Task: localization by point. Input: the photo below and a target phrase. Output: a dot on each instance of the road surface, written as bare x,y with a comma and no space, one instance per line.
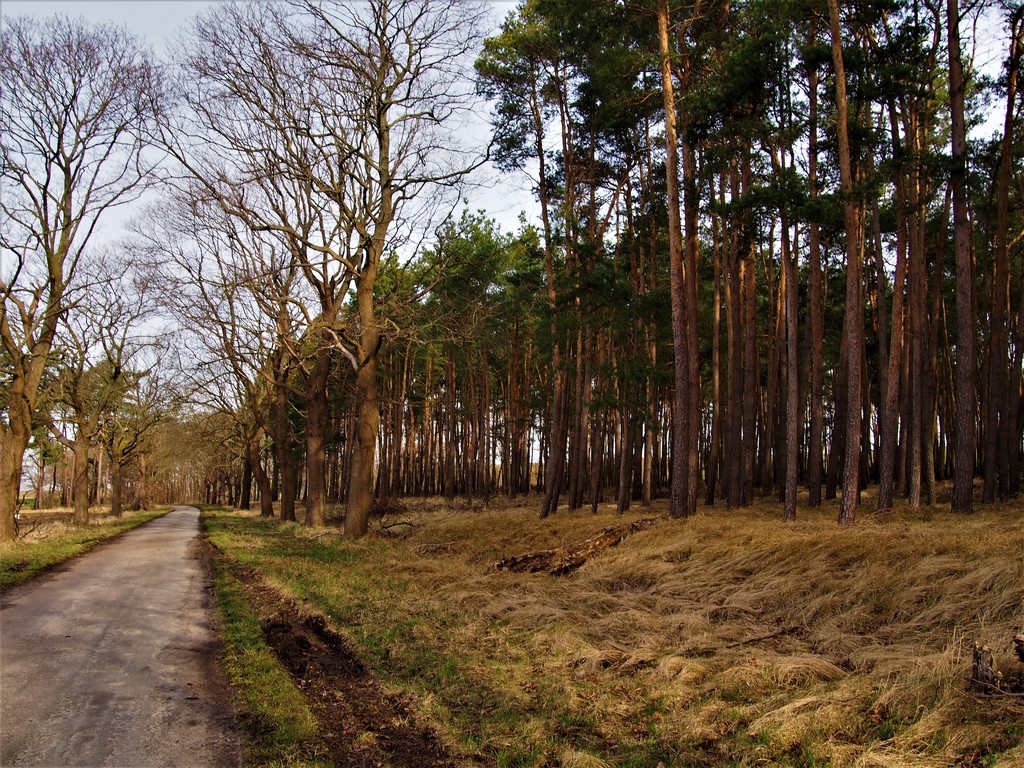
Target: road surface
113,659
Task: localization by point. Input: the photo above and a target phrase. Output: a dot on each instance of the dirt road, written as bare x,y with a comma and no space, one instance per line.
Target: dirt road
112,661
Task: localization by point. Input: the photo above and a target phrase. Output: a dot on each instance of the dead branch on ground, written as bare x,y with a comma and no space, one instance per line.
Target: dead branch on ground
563,560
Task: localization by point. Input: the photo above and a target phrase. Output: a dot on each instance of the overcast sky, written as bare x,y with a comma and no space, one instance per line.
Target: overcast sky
160,21
503,197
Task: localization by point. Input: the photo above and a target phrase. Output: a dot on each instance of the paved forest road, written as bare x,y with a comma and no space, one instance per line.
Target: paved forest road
112,661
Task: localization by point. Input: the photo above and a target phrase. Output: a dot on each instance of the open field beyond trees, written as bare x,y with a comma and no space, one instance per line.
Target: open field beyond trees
726,638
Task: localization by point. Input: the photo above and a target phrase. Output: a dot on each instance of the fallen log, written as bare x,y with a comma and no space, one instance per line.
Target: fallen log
567,559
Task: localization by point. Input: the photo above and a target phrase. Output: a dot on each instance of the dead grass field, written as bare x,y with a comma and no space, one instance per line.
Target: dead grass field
725,639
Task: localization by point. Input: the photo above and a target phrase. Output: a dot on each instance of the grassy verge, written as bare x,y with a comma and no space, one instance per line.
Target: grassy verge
282,730
52,543
727,639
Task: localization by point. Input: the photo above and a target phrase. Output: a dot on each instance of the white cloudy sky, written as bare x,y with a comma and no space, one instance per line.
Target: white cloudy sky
503,197
161,21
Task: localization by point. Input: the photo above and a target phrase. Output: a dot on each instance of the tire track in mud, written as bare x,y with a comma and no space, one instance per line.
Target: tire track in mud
361,725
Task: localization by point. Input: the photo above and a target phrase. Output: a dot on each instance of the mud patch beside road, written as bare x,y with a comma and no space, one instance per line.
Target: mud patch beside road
361,725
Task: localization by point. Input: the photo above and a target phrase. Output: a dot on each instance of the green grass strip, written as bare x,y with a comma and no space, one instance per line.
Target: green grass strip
281,730
21,560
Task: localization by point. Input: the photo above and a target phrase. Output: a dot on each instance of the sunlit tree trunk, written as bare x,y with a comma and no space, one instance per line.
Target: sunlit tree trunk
680,447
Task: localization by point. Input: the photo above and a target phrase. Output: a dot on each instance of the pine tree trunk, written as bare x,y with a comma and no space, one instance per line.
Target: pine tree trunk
792,377
751,374
889,415
716,375
680,456
734,323
852,327
999,442
815,320
964,424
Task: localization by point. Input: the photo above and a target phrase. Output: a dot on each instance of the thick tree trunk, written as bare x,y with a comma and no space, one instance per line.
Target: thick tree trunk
360,493
116,487
13,443
80,480
260,475
367,401
316,438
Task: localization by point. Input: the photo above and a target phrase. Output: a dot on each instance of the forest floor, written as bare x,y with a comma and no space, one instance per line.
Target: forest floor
727,639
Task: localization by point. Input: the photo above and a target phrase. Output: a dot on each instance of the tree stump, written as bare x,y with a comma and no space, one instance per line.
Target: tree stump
985,676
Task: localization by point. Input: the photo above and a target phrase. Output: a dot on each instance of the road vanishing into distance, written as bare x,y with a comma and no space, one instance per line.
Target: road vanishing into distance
112,660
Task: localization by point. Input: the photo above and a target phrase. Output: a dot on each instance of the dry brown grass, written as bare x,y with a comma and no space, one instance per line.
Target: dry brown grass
874,623
729,638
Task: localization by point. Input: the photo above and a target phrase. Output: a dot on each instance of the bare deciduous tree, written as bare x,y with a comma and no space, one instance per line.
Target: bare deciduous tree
99,361
72,101
333,127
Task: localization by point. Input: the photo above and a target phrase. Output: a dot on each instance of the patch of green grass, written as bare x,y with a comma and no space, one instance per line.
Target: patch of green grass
56,543
486,705
281,728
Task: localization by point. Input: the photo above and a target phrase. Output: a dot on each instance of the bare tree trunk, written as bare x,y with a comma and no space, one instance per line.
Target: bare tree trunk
853,328
283,453
680,456
815,449
998,429
360,496
80,481
13,443
116,487
964,427
316,438
261,477
360,490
